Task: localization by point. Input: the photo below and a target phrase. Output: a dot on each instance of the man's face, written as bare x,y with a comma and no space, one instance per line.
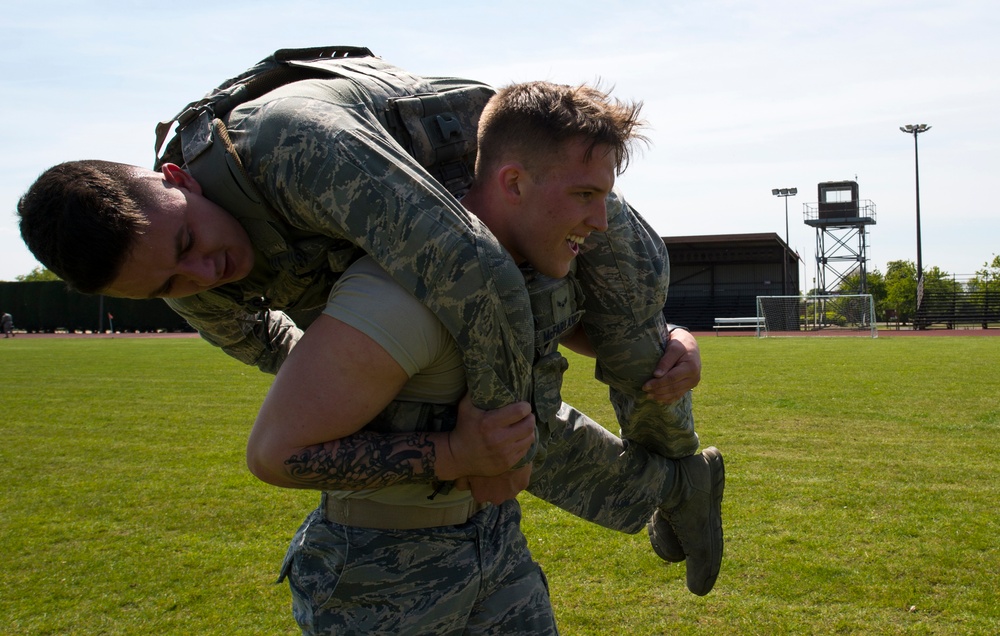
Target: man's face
561,206
190,245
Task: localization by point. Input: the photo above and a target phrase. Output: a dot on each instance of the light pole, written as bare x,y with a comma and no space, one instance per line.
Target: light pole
785,193
916,129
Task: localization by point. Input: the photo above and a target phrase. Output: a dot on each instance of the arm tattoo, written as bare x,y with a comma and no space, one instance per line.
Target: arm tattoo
364,460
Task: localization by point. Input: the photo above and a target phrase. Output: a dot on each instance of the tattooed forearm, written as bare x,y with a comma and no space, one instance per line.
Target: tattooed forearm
364,460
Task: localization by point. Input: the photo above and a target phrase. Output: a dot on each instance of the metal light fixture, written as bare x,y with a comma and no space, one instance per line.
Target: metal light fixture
785,193
916,129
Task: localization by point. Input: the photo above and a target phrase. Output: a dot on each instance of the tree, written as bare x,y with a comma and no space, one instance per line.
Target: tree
877,288
875,285
901,288
988,278
38,274
939,282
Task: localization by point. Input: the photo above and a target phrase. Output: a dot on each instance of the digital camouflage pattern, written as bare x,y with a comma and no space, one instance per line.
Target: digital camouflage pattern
381,578
625,273
595,475
585,470
581,467
320,156
328,157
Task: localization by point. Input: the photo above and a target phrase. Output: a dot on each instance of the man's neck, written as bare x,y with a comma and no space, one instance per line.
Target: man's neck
490,212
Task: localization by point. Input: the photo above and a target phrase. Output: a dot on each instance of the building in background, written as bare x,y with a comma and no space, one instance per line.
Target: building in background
721,275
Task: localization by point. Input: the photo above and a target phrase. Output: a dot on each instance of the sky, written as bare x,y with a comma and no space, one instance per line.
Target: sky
741,96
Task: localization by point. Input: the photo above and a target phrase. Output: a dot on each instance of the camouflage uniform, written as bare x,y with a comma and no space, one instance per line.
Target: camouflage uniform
320,155
485,581
624,273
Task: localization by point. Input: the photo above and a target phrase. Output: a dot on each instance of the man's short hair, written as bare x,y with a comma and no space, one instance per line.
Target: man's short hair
532,120
80,220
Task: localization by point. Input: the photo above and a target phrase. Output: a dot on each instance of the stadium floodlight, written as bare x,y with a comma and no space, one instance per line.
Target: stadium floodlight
785,193
916,129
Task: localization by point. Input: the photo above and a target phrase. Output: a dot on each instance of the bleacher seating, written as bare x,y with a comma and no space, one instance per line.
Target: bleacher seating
959,308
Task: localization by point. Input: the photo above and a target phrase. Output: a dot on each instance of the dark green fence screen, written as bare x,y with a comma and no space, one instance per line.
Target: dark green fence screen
50,306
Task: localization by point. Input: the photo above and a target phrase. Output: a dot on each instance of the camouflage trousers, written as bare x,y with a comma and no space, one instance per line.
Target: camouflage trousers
473,578
625,274
618,482
597,476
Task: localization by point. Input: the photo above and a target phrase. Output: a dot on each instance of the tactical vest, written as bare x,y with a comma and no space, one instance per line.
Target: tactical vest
555,306
435,122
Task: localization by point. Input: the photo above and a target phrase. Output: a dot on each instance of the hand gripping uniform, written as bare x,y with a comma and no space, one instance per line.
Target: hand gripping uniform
327,158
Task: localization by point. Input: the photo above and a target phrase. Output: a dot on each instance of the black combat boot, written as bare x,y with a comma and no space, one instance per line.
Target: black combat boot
696,521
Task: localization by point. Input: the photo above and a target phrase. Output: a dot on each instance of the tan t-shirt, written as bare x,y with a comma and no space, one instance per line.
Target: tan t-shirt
369,300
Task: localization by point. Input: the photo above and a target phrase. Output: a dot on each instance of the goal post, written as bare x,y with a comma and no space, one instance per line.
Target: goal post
833,314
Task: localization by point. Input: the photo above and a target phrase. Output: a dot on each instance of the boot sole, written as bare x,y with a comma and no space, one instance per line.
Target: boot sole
666,546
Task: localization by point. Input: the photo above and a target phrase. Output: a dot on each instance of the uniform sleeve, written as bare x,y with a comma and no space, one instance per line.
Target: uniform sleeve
261,339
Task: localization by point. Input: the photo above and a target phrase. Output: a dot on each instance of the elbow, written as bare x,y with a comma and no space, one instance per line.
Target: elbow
262,461
256,464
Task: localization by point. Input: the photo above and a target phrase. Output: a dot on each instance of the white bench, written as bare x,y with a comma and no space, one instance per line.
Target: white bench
747,322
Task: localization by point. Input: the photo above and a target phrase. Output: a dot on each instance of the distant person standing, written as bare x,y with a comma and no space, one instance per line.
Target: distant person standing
8,325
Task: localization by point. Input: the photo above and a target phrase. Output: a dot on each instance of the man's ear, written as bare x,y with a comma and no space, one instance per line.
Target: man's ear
511,178
178,177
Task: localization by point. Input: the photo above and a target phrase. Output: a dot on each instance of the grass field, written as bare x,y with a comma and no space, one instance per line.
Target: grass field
863,486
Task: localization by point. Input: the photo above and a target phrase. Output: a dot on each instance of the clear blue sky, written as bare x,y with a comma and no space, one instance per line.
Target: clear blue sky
742,96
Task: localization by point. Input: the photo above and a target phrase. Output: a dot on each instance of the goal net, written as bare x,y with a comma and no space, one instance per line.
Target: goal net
834,315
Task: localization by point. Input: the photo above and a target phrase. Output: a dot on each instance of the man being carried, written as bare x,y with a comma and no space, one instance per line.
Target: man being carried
319,155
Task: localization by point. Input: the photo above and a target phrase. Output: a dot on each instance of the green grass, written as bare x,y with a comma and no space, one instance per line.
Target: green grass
862,495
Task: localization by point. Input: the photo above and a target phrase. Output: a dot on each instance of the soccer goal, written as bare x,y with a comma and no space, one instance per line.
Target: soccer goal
834,315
